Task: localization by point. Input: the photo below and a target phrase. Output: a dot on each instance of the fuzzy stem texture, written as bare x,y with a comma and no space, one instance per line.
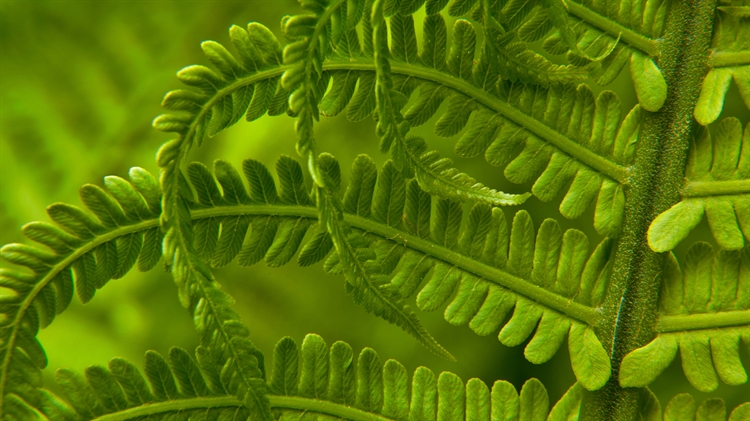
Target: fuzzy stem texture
630,310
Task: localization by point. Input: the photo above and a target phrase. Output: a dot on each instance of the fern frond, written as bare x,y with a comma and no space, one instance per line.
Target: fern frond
119,231
600,37
312,38
250,83
398,246
563,116
328,382
717,183
181,386
730,59
704,311
498,126
683,407
315,379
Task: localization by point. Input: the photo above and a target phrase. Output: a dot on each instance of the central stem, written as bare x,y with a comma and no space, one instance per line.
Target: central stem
630,310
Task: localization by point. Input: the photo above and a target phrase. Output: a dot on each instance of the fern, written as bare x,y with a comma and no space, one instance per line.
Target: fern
420,227
705,313
729,60
323,381
717,184
401,245
578,127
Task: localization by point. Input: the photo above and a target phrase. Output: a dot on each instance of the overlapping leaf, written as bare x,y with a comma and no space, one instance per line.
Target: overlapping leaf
585,134
717,184
435,175
704,311
600,37
395,222
731,39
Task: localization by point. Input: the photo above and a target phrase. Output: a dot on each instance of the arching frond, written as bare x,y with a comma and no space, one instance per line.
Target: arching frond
314,379
436,176
557,282
584,134
730,59
178,386
328,381
704,311
119,231
717,184
89,249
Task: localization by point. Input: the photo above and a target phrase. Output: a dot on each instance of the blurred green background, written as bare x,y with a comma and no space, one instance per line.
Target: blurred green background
80,82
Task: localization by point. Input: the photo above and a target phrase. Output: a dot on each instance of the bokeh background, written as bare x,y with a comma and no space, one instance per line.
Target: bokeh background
80,82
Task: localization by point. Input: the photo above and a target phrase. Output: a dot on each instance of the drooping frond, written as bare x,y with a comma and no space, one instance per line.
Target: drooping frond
181,386
558,282
717,184
683,407
436,176
730,59
582,133
704,311
329,29
243,85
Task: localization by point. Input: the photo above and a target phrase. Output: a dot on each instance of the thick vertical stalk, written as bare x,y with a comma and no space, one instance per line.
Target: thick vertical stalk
630,311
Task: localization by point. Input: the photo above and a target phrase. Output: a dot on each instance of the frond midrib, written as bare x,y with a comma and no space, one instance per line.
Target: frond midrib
729,58
611,169
578,311
701,321
593,160
615,29
715,187
280,402
178,405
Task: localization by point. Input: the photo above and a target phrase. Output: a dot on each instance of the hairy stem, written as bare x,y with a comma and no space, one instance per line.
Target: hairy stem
630,310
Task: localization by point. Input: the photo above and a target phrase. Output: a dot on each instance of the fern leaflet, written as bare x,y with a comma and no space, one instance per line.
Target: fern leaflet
717,184
705,313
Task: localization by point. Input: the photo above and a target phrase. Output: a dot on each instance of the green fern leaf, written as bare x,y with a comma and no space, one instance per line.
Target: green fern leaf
433,174
683,407
327,385
174,387
728,60
704,312
717,184
499,137
398,227
382,390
